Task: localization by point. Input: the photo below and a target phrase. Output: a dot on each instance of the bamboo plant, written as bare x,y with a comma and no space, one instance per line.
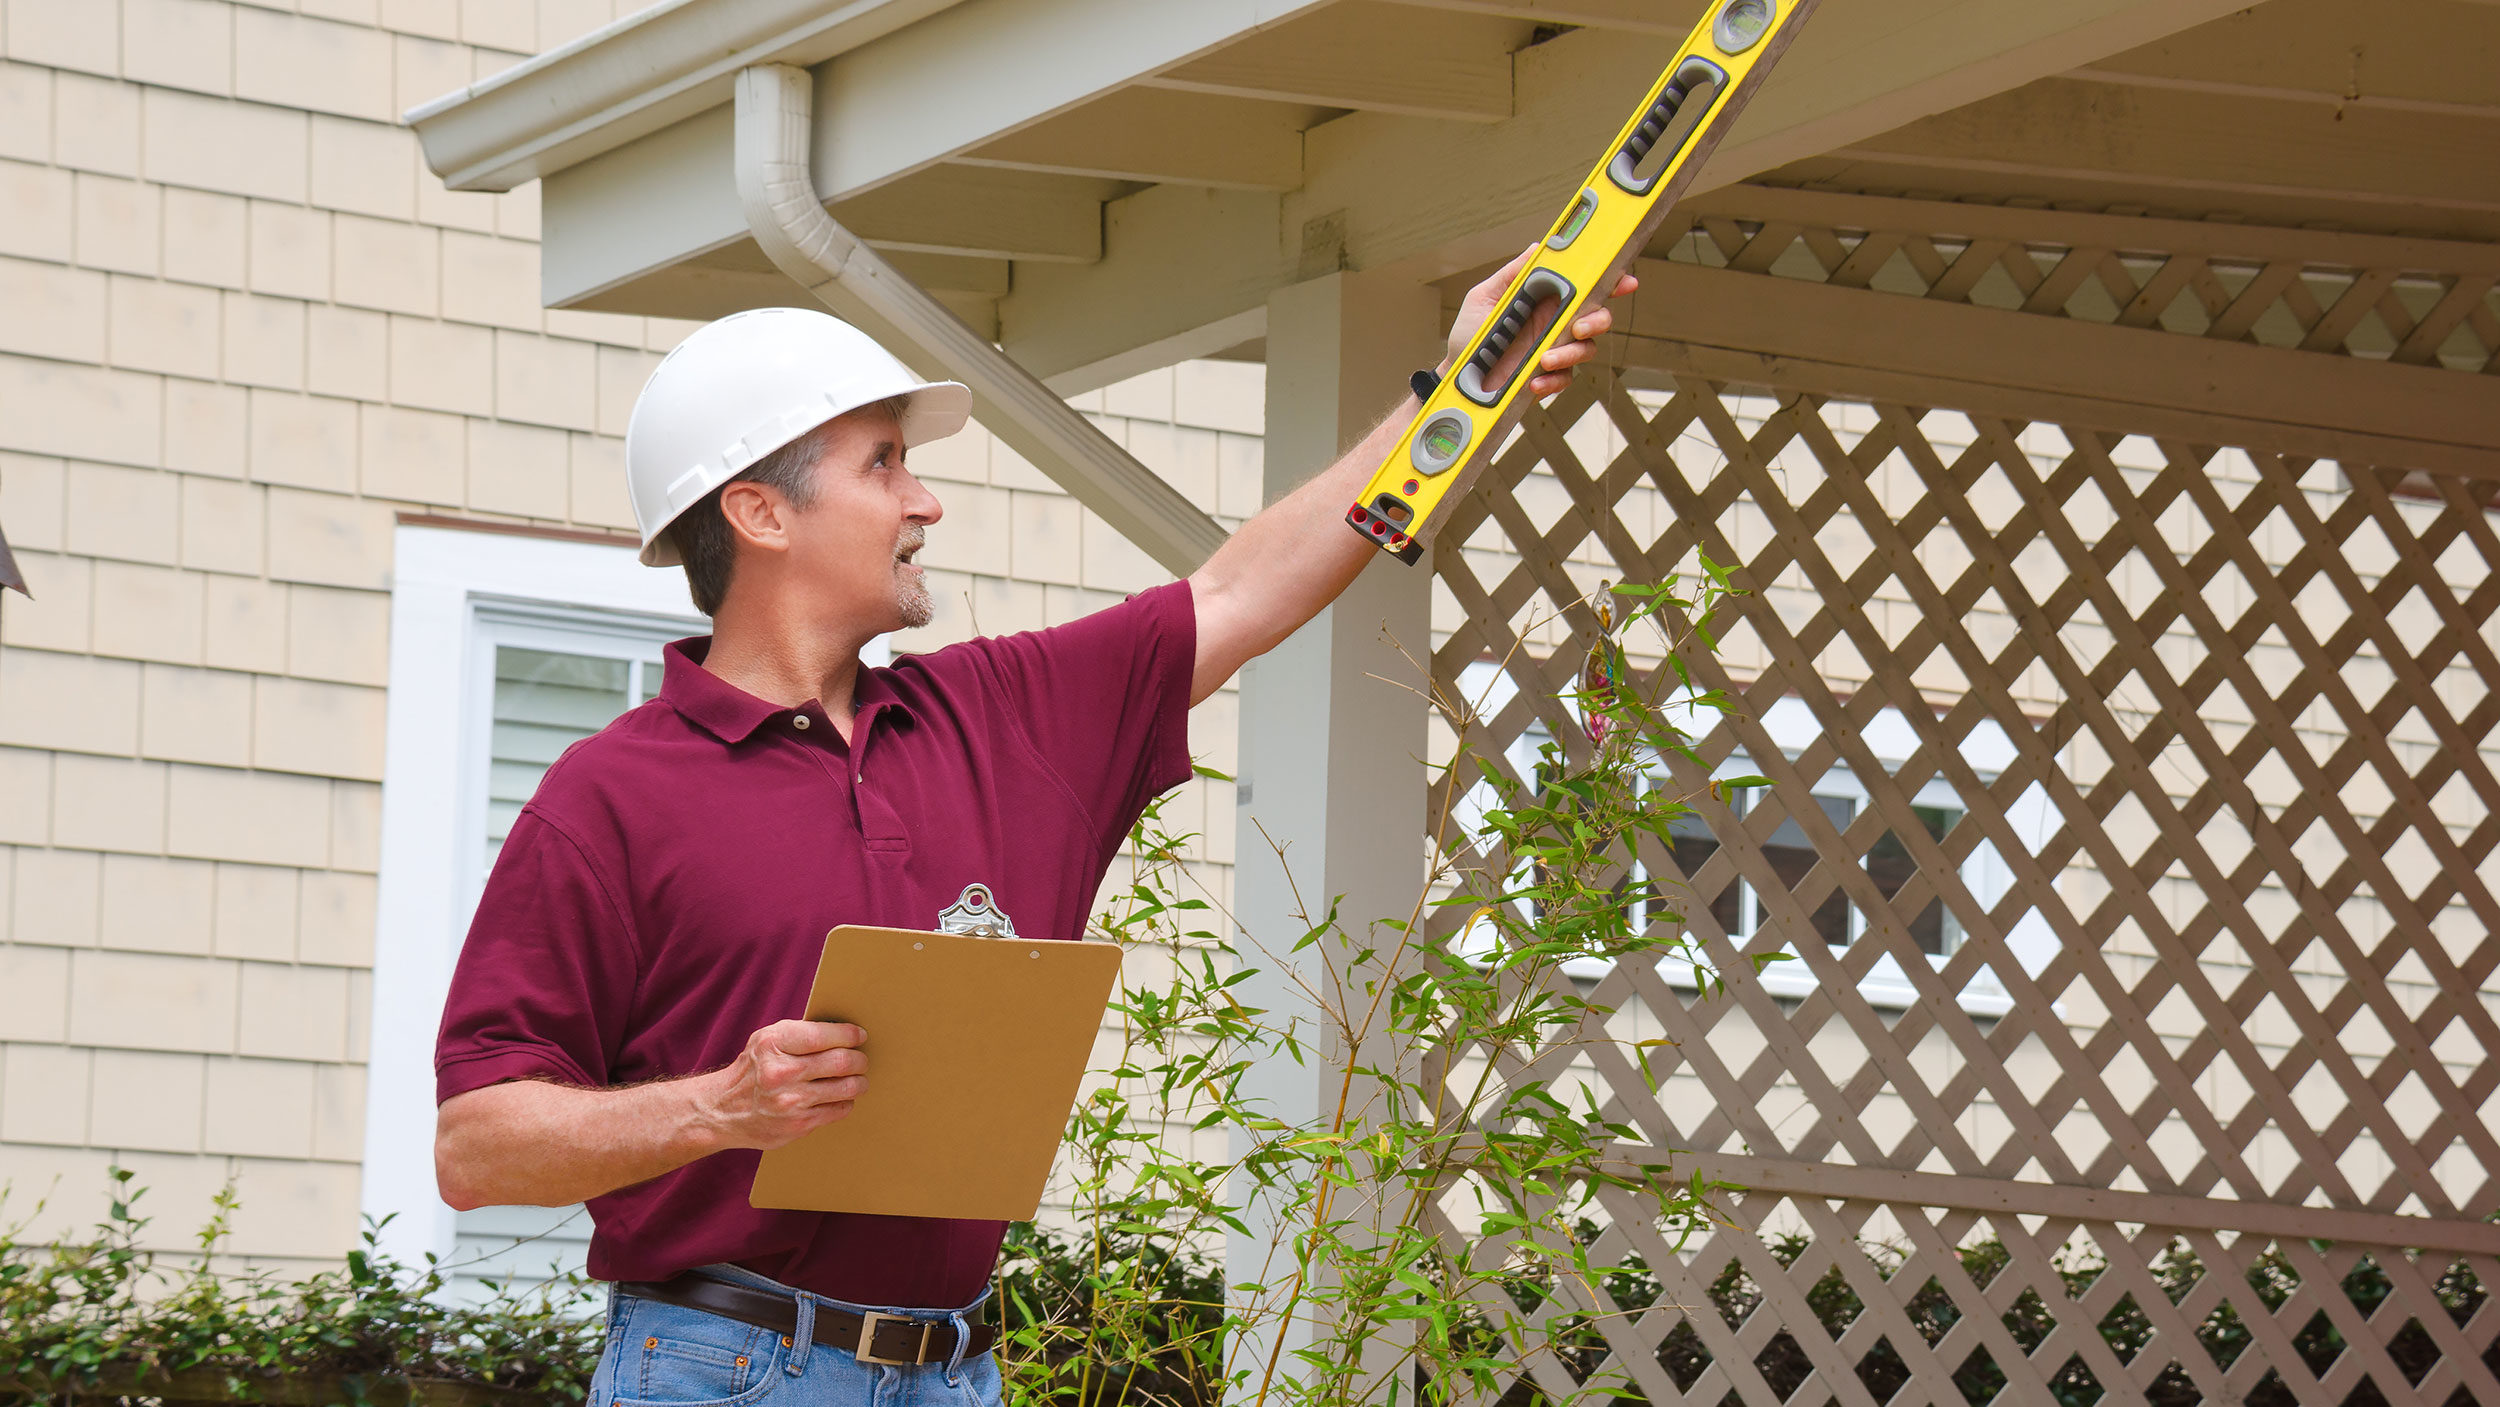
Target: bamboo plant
1432,1225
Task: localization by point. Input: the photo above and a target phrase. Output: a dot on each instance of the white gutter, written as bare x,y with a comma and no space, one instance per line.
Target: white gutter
647,71
774,107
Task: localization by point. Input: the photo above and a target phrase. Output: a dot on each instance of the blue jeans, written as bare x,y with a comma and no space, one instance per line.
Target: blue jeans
666,1356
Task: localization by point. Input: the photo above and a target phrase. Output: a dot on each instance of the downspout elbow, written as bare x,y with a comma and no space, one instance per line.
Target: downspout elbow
775,104
774,133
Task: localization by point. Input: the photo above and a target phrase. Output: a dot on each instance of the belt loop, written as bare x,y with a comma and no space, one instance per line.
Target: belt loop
963,1340
803,1337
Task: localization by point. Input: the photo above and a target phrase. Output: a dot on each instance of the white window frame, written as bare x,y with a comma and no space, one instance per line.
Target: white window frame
454,592
433,813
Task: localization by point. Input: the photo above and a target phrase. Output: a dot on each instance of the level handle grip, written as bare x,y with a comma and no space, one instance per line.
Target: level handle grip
1505,327
1694,78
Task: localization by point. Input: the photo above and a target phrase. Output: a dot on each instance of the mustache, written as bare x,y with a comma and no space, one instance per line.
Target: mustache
912,539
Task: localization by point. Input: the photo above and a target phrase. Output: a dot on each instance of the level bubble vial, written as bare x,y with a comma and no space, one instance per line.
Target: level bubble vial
1441,440
1741,25
1573,222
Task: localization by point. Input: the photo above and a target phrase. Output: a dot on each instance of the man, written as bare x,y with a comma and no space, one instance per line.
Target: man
614,1034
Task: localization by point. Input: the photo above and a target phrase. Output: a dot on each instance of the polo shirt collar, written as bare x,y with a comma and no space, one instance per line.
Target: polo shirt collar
732,715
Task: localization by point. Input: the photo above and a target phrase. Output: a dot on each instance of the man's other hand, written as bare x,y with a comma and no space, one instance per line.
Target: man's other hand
793,1077
1553,370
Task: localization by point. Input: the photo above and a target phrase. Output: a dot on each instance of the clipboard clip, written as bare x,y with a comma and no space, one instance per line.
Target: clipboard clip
976,913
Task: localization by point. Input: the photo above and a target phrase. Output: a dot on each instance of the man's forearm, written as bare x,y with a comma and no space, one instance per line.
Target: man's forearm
1291,560
531,1143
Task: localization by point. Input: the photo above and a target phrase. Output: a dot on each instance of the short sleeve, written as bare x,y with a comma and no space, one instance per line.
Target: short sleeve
1105,700
545,982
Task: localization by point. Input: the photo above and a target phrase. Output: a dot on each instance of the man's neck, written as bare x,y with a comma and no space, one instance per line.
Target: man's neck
786,662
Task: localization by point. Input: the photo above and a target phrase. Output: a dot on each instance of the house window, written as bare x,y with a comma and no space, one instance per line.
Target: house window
551,681
505,650
1736,907
1889,863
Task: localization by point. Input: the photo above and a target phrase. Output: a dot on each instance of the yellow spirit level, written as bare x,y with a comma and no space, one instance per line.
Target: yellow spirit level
1597,237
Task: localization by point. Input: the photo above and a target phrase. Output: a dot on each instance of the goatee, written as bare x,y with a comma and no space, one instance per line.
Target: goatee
911,595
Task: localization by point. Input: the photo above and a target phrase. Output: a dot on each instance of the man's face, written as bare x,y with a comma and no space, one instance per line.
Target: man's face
853,545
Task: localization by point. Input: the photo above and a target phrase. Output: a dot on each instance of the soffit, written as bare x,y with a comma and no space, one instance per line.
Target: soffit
2366,115
1102,183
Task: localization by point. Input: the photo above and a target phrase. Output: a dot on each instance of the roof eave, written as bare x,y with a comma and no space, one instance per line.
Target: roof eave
632,77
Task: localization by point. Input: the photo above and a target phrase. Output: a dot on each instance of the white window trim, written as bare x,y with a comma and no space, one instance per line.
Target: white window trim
428,885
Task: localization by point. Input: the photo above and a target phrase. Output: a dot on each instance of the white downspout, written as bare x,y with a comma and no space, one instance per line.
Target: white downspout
774,106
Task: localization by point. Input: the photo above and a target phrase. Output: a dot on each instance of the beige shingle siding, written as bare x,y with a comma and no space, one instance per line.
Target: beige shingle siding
244,329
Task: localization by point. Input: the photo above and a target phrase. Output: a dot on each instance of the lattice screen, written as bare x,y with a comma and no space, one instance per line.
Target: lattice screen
2397,304
2133,824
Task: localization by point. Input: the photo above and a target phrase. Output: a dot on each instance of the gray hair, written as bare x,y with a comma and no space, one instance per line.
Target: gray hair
702,533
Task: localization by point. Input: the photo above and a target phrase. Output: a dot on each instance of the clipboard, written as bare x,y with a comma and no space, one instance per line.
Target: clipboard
977,1046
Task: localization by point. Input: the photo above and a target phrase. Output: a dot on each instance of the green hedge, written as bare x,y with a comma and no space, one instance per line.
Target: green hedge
100,1318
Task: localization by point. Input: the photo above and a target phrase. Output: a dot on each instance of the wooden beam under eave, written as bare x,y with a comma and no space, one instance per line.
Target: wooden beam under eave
965,75
1189,261
1761,330
2162,139
1368,56
1673,18
1161,136
699,294
985,214
1419,197
2429,55
2016,224
952,273
1427,199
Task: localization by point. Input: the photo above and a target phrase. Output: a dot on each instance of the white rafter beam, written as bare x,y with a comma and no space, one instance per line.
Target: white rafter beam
982,214
1668,17
1161,137
2422,56
968,75
1369,57
2072,128
1756,328
1389,191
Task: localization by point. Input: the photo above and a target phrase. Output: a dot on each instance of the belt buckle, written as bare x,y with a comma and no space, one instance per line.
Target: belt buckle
866,1352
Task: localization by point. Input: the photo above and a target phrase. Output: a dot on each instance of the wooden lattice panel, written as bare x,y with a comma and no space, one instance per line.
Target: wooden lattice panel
2149,787
2382,299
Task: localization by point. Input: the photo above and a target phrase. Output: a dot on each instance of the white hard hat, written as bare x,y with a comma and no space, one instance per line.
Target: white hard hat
744,386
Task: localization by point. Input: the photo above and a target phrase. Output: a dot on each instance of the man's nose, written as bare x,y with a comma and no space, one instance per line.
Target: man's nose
920,505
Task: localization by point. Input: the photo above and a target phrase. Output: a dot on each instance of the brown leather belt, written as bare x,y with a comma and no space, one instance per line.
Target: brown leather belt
872,1338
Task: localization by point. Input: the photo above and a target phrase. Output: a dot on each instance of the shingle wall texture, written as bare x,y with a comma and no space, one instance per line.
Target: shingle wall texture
241,329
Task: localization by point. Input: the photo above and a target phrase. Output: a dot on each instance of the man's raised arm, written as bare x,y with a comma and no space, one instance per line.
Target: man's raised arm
1285,565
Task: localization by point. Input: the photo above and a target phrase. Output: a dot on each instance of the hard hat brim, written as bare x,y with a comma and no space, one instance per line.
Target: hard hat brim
932,410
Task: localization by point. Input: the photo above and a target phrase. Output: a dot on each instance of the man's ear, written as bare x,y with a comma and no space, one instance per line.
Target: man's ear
757,514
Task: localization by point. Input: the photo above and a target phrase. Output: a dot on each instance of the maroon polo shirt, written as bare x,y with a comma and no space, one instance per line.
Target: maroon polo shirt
667,892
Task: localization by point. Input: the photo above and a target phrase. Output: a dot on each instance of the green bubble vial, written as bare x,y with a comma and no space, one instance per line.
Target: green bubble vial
1741,25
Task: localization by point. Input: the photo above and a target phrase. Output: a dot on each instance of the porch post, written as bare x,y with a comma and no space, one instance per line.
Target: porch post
1332,791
